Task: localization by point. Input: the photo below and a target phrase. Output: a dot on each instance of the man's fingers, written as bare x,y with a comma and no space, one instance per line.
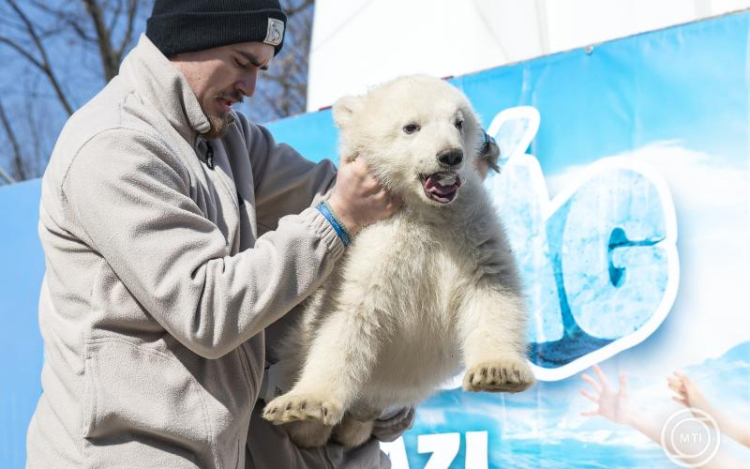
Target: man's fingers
358,167
389,430
382,196
597,387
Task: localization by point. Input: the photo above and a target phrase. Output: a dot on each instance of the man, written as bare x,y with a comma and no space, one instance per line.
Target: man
175,232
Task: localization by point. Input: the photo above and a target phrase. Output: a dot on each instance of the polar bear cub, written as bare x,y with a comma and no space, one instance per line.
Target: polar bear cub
417,296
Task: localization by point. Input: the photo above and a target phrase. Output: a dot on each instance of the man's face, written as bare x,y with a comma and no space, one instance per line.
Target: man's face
221,76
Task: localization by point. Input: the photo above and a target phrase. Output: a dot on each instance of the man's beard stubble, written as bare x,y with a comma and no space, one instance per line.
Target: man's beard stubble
220,123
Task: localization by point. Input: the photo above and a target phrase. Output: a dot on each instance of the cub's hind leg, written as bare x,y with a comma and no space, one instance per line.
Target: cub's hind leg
308,433
351,432
340,359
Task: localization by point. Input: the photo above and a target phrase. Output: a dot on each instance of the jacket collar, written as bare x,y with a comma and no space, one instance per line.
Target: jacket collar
157,81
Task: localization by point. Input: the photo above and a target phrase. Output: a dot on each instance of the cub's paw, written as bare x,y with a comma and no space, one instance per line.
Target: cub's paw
308,433
294,407
509,375
352,433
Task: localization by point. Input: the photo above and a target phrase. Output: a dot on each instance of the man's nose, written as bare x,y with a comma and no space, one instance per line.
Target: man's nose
246,85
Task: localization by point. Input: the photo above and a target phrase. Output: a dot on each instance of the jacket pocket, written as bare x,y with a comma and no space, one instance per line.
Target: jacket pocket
142,408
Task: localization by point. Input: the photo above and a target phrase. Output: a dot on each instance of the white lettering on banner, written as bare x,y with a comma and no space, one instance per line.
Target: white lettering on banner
476,450
396,452
601,256
444,448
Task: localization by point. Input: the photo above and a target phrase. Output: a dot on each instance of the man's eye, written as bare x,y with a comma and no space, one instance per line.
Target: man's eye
240,65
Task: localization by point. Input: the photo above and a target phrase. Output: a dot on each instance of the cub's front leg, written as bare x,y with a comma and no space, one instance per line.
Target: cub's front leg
340,358
493,325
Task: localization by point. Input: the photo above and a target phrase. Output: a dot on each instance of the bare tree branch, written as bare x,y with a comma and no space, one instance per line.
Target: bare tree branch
21,50
18,160
66,18
6,176
44,63
128,36
115,16
110,63
291,11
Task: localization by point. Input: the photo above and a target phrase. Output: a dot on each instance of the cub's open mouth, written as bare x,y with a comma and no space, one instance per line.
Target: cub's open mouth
441,187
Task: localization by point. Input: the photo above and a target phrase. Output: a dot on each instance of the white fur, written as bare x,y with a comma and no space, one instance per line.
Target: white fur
416,296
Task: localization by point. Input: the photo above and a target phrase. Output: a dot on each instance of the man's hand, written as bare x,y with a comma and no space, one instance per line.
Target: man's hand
358,199
367,456
388,430
483,167
269,446
489,155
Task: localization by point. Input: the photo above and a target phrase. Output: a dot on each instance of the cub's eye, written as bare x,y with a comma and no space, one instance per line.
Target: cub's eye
411,128
459,124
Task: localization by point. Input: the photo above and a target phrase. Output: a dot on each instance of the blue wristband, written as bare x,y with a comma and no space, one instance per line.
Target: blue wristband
340,230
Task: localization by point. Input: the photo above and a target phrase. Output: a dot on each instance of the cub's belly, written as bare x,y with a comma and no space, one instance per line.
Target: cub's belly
416,295
410,369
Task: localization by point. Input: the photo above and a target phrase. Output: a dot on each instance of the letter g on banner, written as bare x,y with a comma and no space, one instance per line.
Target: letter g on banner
599,261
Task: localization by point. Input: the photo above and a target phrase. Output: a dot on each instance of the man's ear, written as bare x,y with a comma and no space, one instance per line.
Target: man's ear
345,108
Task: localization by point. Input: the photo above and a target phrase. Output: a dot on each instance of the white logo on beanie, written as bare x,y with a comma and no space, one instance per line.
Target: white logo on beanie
275,32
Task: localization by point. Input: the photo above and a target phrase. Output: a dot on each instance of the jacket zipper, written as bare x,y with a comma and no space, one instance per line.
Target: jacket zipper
209,155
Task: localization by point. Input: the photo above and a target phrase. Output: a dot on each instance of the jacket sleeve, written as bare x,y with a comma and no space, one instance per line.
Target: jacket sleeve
128,197
285,182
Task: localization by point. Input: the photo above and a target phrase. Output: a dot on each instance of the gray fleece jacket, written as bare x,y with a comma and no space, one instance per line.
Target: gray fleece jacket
162,274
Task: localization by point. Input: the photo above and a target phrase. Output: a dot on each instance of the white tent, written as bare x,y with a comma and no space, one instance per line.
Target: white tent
359,43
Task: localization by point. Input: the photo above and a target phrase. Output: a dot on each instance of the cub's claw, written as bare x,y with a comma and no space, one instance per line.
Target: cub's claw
294,407
511,375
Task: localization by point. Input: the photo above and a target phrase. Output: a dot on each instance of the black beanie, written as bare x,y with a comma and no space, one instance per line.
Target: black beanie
190,25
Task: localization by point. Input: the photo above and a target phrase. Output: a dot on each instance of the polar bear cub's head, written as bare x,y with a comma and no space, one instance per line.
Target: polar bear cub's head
418,134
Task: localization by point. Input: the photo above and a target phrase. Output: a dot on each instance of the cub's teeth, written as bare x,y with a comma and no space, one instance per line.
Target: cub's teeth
448,180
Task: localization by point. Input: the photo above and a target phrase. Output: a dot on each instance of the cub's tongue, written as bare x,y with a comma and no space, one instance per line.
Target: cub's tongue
441,188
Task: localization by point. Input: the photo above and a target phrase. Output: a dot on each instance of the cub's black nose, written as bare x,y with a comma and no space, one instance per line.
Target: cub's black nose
451,157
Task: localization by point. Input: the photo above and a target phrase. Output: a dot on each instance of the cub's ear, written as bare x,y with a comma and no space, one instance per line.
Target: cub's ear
345,108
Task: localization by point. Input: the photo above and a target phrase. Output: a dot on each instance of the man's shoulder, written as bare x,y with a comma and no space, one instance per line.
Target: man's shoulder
110,110
107,116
